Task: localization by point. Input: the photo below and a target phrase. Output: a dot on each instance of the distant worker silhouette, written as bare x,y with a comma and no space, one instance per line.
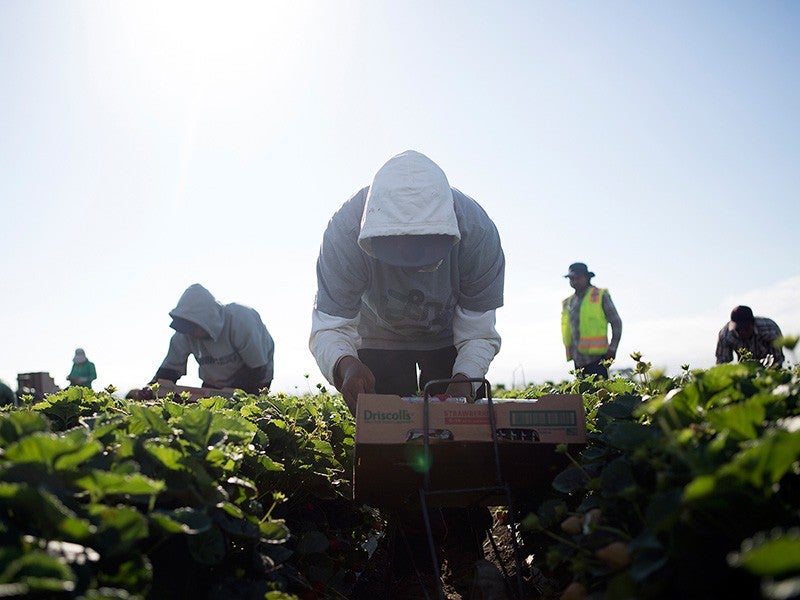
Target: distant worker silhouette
745,333
83,372
585,317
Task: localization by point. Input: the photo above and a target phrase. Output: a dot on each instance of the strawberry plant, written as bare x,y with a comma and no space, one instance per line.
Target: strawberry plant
688,488
246,497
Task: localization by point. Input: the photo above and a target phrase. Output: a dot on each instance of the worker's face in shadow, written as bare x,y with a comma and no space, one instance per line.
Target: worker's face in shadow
199,333
579,282
744,330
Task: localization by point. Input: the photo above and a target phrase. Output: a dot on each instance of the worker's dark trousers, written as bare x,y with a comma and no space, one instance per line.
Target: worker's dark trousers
595,368
455,531
396,370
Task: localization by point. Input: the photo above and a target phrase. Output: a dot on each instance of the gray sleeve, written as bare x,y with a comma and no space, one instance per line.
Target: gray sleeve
342,271
481,259
251,339
178,354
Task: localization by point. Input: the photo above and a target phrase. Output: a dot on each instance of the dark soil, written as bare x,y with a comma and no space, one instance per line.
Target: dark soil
495,580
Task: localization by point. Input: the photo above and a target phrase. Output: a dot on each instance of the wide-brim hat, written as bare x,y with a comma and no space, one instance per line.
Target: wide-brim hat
411,251
576,269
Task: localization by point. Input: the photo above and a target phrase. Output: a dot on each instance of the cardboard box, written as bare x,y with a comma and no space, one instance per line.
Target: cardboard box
165,386
37,384
390,460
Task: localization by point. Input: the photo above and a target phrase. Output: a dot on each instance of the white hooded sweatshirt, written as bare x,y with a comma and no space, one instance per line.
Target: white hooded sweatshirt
238,338
362,302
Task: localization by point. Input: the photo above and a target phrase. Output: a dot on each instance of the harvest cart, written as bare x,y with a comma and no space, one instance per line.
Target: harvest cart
499,488
427,453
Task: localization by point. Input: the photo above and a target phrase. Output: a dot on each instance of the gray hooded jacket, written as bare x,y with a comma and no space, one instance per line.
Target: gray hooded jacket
362,302
238,338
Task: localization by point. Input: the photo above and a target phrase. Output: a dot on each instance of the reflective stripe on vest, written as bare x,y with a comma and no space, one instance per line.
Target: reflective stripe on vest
593,330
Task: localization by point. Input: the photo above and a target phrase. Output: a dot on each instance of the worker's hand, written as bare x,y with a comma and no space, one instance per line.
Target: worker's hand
610,355
146,393
461,389
353,378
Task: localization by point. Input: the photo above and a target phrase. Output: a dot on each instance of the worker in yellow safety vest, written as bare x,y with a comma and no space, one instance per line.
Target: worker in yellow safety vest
585,317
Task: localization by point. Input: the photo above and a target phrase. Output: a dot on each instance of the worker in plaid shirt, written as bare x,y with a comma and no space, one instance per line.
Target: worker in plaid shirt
755,335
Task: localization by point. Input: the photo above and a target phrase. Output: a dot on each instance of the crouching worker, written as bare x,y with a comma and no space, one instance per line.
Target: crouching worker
410,273
229,341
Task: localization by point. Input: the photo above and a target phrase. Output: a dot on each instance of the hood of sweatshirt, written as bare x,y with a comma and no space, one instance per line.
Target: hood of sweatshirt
201,308
409,196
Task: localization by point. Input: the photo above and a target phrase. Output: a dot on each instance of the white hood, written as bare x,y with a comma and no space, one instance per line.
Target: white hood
201,308
410,195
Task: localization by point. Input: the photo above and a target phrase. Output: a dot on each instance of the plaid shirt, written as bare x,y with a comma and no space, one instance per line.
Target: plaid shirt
760,345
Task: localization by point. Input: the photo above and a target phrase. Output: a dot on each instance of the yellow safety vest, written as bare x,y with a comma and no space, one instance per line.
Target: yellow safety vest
593,333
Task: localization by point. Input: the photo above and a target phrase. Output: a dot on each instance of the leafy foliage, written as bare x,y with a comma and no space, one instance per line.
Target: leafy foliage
688,487
247,497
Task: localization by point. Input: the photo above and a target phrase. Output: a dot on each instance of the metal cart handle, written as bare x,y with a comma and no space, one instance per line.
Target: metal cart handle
426,393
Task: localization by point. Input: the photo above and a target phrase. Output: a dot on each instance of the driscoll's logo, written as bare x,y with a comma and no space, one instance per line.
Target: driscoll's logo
398,416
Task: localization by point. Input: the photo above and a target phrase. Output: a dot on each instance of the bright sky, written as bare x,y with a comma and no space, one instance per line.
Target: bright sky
146,146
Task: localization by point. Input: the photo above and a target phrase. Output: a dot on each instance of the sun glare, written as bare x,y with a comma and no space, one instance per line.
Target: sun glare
202,49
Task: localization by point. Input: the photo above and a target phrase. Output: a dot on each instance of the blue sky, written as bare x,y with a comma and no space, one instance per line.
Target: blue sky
146,146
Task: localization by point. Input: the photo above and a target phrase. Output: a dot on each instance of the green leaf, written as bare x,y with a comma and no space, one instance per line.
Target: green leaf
767,460
570,480
184,520
46,448
40,572
240,490
231,510
773,555
147,420
71,460
274,532
619,386
212,403
105,483
270,465
626,435
236,428
208,547
108,593
45,511
19,424
279,596
242,528
621,407
134,575
169,457
700,487
120,528
195,424
677,410
102,425
722,377
64,412
742,420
